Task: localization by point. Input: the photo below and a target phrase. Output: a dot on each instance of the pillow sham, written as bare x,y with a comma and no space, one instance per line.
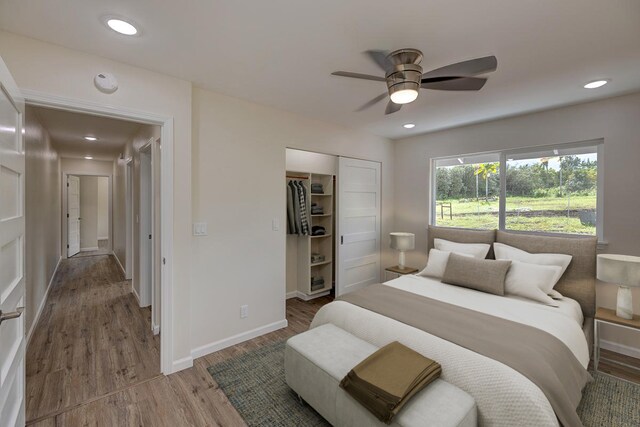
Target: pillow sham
485,275
503,251
437,263
477,250
531,281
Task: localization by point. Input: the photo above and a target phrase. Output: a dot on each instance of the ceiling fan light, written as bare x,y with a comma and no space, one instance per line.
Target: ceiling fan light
404,96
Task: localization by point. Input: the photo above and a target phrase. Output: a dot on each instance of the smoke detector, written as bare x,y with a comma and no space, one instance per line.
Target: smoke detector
106,83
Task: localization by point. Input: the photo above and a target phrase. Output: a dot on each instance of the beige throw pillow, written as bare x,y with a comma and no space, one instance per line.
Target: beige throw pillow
484,275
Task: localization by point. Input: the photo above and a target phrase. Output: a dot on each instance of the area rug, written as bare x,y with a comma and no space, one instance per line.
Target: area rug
254,383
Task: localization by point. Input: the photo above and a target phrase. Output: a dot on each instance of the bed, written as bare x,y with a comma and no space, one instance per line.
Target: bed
504,396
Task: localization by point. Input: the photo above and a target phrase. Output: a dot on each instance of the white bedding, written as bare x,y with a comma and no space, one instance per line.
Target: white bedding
504,396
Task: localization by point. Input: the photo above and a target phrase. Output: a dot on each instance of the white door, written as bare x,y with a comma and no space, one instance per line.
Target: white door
12,342
145,229
73,215
358,224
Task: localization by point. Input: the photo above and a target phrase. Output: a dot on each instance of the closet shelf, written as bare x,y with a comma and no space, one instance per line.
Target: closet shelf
321,235
321,194
327,214
317,264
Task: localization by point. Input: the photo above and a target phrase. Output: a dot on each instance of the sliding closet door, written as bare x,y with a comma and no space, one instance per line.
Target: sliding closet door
358,224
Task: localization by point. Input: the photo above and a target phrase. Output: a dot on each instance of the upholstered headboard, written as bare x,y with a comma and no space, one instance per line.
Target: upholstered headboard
579,280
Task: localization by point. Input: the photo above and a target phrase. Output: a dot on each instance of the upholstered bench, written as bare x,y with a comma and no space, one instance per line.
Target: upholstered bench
316,361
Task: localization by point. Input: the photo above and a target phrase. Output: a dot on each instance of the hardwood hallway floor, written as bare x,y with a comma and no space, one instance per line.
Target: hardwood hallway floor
93,360
92,339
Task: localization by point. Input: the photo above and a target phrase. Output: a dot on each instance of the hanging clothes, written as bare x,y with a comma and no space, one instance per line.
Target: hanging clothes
297,219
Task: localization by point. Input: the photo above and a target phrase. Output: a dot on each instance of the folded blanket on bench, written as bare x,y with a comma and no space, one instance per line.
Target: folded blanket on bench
385,381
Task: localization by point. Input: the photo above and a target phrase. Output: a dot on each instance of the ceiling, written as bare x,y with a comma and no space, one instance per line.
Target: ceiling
67,131
281,52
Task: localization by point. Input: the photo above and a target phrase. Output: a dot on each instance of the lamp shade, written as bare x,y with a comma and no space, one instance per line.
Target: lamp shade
403,241
619,269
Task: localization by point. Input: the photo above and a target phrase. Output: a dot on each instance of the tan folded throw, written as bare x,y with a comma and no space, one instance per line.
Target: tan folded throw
385,381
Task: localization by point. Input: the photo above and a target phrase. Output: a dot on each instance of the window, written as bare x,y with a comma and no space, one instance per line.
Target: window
549,189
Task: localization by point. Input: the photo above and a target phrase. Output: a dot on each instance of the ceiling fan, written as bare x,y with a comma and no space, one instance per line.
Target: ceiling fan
404,77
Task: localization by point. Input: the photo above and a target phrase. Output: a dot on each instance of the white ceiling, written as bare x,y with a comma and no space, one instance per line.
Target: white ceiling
281,52
67,131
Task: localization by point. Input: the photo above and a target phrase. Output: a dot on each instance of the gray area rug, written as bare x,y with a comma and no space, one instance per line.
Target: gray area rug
254,383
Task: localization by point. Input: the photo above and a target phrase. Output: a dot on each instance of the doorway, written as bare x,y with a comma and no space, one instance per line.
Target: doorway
88,215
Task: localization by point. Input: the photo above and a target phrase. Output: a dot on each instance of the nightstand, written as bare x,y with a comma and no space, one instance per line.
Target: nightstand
394,272
605,315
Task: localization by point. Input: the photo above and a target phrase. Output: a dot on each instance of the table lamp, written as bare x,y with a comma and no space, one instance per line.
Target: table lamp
623,270
403,242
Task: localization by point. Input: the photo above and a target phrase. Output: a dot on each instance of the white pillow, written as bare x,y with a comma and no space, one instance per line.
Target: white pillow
476,250
555,295
437,263
531,281
503,251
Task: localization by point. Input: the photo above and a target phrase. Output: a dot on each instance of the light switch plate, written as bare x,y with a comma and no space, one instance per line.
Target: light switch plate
275,224
199,228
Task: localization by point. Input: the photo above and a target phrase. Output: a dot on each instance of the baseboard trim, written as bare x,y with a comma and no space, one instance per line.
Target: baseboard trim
135,294
237,339
180,364
620,348
42,303
119,263
290,295
94,248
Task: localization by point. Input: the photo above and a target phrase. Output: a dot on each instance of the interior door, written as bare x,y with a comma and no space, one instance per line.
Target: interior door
12,342
73,215
146,230
358,224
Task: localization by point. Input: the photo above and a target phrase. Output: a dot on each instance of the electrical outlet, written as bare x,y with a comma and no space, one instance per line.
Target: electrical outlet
244,311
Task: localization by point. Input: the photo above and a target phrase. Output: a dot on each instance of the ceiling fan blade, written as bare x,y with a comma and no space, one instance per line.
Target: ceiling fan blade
469,68
380,58
461,83
392,107
373,102
358,76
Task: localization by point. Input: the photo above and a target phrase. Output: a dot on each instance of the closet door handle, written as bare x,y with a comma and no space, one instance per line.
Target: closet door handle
342,240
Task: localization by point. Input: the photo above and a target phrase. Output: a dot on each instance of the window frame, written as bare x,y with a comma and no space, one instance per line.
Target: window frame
502,202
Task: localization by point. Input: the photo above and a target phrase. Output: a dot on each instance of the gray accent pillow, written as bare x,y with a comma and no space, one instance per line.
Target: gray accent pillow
485,275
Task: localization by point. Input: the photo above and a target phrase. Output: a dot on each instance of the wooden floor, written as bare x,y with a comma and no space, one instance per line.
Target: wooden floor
93,360
103,249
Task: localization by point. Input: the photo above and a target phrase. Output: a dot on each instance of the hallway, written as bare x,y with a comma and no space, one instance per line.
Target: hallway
92,339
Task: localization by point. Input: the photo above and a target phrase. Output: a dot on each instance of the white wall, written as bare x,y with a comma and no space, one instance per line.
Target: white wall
103,208
238,175
42,215
67,73
614,119
89,212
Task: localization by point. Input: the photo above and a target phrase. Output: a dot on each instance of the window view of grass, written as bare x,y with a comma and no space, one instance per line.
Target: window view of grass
553,194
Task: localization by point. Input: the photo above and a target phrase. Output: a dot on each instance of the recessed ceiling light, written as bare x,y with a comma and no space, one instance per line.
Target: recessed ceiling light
90,138
88,157
596,84
122,27
408,125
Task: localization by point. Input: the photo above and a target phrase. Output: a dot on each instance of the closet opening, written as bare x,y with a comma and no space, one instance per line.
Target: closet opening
310,183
